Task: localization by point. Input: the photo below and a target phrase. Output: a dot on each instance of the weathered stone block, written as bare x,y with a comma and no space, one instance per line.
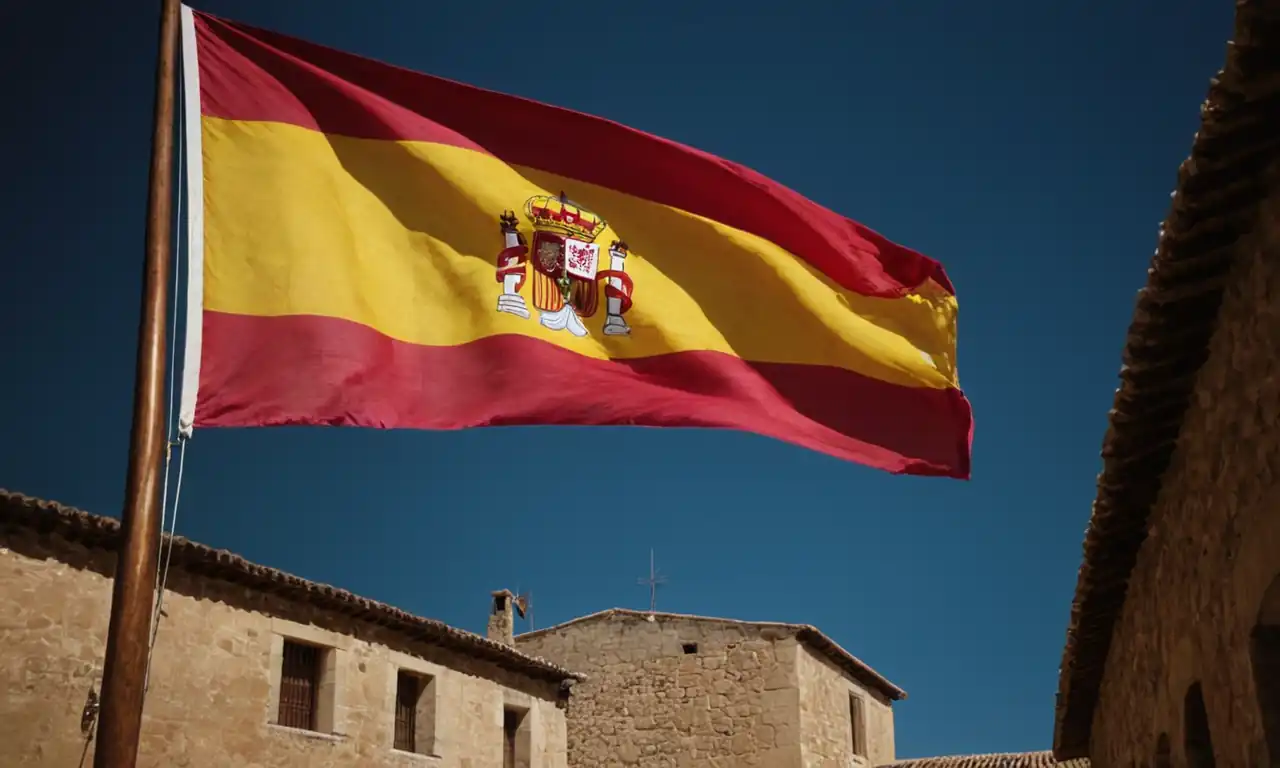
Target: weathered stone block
735,702
210,702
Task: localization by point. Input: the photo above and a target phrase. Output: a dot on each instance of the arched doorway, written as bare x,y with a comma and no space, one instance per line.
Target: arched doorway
1264,652
1197,742
1164,755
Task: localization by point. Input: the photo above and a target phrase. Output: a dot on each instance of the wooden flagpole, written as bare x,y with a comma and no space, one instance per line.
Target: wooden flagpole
129,634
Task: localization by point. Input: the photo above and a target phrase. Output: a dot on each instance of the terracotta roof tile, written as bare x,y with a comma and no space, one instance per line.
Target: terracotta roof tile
1043,759
1220,188
805,633
102,533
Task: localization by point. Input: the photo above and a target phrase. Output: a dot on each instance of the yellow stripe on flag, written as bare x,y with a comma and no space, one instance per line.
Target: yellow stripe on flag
402,237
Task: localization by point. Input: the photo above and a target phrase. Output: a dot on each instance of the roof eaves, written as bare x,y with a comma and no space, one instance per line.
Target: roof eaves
806,633
103,533
1042,759
1220,187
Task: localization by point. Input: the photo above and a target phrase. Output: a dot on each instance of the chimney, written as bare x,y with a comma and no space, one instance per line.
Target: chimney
502,625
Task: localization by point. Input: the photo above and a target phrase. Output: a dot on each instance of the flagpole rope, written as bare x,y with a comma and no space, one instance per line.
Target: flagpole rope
167,556
169,522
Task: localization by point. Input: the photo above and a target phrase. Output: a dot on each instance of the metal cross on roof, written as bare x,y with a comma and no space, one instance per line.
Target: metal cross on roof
654,581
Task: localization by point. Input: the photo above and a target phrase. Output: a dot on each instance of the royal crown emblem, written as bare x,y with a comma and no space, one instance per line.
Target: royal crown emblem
561,217
566,267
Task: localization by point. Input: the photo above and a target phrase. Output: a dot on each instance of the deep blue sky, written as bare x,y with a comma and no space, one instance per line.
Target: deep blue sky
1031,147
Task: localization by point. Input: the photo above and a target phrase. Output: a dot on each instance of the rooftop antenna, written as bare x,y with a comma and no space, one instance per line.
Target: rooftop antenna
524,605
654,581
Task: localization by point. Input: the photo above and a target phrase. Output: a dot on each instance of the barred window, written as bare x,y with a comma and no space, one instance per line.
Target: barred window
408,691
299,685
415,712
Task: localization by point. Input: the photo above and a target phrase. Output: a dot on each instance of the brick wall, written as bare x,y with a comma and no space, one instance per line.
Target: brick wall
215,677
1214,546
826,717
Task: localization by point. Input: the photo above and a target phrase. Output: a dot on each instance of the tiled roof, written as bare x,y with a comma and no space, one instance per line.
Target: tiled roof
102,533
1220,188
1043,759
805,633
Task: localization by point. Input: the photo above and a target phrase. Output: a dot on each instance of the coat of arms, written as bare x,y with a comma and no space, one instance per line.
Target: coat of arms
566,267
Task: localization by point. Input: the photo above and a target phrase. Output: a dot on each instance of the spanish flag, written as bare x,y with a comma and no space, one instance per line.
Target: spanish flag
371,246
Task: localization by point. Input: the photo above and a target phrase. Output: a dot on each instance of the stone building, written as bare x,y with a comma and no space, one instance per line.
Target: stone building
675,690
1173,648
254,667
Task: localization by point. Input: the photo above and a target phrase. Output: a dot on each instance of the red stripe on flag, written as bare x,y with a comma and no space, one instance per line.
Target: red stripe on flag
265,371
252,74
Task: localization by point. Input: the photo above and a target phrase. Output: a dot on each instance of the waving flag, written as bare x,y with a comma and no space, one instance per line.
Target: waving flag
376,247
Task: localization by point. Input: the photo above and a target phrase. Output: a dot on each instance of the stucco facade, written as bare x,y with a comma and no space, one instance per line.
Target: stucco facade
216,674
671,690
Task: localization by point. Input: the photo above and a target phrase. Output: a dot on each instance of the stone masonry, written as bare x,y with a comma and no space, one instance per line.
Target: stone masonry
216,676
682,691
502,621
825,714
1197,591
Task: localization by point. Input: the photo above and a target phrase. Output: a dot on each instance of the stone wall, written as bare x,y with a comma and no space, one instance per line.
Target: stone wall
654,699
215,678
826,717
501,627
1213,549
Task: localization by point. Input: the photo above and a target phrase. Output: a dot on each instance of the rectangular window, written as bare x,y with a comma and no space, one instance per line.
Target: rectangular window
517,735
408,690
299,685
857,726
510,728
415,713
